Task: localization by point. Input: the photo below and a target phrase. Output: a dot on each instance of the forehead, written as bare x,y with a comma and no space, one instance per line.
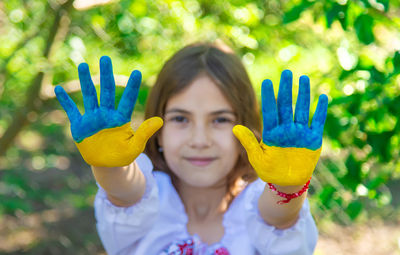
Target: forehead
201,95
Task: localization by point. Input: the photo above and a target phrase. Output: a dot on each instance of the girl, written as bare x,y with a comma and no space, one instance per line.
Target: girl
203,196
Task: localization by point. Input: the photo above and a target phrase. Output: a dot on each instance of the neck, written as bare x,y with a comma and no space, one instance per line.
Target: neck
203,203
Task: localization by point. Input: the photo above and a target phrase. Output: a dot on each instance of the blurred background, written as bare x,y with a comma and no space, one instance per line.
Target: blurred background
349,49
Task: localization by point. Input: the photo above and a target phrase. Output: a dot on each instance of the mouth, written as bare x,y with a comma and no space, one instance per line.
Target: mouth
199,161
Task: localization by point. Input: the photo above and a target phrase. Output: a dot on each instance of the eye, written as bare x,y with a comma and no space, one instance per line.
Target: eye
179,119
221,120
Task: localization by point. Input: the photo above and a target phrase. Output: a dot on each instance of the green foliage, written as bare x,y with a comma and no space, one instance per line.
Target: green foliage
363,26
349,49
295,12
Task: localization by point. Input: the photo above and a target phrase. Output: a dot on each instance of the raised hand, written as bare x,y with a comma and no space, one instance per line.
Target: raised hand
103,134
290,149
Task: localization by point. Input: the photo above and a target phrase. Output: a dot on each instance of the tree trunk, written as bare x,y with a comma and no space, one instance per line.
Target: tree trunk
32,101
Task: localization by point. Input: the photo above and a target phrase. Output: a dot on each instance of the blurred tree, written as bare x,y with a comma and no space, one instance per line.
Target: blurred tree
32,101
349,49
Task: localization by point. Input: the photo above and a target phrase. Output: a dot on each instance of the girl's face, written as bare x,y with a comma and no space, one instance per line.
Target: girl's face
198,144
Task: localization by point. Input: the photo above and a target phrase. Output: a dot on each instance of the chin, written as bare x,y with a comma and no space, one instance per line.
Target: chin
204,181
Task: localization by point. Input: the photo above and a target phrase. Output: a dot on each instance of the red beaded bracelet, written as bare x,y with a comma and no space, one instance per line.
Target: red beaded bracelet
291,195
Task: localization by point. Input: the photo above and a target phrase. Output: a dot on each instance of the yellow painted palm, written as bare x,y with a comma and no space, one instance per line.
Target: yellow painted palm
290,148
103,134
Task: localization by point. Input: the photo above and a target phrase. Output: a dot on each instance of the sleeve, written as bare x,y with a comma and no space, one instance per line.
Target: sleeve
121,228
301,238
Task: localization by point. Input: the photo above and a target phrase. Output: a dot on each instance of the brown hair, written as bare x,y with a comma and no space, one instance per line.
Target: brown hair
229,74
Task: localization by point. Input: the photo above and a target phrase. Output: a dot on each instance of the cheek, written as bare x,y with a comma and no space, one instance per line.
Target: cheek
229,143
171,138
170,143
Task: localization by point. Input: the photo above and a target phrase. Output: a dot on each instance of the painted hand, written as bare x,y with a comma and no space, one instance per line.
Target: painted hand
103,134
289,150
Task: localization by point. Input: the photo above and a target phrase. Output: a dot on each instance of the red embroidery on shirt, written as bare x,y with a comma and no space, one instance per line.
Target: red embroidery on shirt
222,251
187,247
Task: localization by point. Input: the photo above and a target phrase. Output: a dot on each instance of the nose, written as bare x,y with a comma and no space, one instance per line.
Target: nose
200,137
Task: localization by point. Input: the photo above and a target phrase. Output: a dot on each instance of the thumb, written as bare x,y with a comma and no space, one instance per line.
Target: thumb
146,130
247,139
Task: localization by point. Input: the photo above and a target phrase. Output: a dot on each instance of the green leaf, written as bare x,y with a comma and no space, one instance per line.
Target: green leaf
394,108
332,126
364,25
11,205
375,5
396,62
379,144
354,209
385,4
294,13
376,182
143,94
353,176
337,12
326,195
377,76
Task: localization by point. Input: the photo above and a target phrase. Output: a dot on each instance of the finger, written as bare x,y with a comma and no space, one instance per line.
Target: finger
285,111
67,104
302,113
146,130
107,83
247,139
269,110
319,117
129,97
87,87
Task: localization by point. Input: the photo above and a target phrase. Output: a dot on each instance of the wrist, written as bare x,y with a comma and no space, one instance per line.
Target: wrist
289,192
288,189
124,186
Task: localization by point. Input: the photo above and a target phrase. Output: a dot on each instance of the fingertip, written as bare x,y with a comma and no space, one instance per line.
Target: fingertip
266,82
137,73
58,89
286,80
105,62
267,87
235,129
320,114
304,87
286,73
246,137
153,123
105,59
304,79
323,98
60,94
83,67
159,121
239,129
148,128
136,76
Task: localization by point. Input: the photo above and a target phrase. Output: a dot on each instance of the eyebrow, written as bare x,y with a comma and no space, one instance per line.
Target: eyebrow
177,110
